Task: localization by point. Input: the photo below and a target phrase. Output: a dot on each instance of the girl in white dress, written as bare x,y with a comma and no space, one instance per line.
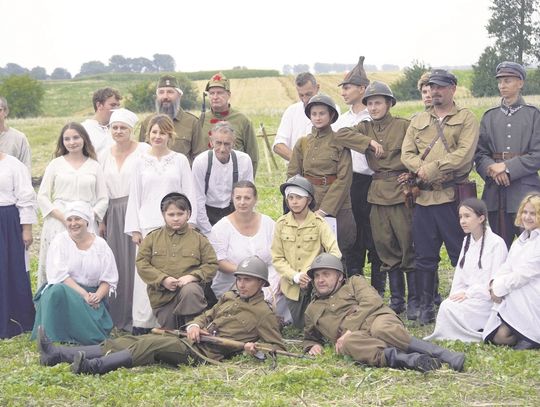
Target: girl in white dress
244,233
157,172
118,163
515,288
74,175
463,315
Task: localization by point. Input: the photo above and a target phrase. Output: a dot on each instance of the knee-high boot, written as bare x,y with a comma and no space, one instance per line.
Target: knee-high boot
378,277
454,359
413,300
415,361
50,354
102,364
397,290
424,288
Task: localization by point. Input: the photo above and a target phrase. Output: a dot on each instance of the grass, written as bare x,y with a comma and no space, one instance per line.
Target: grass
494,376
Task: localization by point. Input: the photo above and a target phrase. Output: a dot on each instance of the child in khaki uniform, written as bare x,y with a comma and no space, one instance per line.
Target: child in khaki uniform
299,236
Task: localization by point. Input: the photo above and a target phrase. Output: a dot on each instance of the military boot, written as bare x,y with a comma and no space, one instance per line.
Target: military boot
378,277
50,354
103,364
454,359
397,290
437,299
413,300
424,288
415,361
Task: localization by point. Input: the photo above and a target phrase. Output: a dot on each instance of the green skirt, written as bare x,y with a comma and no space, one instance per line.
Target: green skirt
68,318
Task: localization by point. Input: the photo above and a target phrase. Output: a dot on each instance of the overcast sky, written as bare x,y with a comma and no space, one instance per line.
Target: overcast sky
212,35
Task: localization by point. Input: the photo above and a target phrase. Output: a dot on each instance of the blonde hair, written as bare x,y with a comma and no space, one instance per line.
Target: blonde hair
165,124
534,200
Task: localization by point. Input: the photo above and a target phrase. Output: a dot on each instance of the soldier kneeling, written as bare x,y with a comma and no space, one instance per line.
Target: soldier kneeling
351,314
240,315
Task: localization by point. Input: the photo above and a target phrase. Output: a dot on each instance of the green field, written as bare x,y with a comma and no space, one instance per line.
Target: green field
493,377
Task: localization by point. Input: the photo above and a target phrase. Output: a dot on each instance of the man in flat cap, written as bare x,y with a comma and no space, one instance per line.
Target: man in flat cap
439,149
353,88
168,98
508,153
218,90
104,100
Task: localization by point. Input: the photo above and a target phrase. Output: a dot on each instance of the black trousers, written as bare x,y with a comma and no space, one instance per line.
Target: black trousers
216,214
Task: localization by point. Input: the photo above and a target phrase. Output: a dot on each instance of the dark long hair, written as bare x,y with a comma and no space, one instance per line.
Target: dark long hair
88,148
480,209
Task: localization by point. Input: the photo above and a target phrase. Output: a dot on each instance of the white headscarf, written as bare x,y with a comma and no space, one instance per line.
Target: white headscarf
81,209
124,116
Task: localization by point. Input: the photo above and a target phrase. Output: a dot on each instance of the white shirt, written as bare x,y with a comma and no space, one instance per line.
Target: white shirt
117,179
294,124
219,184
100,136
16,189
152,180
350,119
62,183
15,143
87,267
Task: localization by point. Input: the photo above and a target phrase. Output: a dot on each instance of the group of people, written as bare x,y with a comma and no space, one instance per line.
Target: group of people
152,234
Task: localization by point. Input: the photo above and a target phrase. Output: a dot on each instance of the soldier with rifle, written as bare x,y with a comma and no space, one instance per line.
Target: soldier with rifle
242,316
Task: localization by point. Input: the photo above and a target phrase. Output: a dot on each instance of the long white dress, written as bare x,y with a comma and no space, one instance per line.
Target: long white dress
231,245
465,320
62,183
517,281
154,178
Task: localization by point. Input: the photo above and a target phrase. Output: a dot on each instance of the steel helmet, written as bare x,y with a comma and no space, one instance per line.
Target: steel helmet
321,99
301,182
325,261
253,266
378,89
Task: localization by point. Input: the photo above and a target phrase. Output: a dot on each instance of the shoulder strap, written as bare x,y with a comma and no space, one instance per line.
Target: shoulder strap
439,135
235,167
208,171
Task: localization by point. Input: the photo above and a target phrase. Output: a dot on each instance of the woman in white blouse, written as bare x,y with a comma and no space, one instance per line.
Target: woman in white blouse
17,214
244,233
463,315
74,175
81,272
515,288
158,172
118,163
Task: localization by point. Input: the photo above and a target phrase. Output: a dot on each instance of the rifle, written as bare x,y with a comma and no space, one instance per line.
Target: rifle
230,343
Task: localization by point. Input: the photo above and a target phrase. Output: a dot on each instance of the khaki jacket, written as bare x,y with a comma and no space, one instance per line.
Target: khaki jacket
319,155
295,247
389,132
460,128
166,253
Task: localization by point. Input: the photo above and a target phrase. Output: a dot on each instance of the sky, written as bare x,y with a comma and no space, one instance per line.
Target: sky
213,35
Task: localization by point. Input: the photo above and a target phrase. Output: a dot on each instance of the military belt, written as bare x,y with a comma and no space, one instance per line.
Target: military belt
504,156
386,174
324,180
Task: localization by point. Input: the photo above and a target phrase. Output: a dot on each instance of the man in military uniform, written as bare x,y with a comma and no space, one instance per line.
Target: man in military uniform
168,98
218,90
241,315
350,314
438,148
508,152
381,140
425,90
353,88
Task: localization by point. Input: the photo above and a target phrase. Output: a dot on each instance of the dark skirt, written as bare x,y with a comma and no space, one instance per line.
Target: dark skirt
124,252
16,306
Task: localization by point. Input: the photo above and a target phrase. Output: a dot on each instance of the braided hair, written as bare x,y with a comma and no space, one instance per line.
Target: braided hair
480,209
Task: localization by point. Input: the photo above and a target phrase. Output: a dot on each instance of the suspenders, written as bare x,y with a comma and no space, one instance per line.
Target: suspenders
209,169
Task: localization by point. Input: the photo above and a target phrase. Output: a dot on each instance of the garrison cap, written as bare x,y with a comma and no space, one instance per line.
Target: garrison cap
442,77
219,81
357,76
508,68
169,81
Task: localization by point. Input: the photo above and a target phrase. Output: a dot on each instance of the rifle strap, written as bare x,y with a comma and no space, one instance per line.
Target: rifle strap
439,135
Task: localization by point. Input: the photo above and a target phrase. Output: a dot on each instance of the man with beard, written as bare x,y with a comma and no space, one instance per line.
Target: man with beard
168,97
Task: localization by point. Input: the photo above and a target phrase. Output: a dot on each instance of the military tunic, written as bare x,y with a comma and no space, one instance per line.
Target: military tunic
390,218
165,252
355,307
245,320
187,133
246,140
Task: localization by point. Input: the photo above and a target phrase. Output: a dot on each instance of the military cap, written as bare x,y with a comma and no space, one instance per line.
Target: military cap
442,77
169,81
218,81
508,68
357,76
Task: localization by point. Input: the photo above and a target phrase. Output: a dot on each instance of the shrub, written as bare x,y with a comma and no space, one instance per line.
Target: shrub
24,95
406,87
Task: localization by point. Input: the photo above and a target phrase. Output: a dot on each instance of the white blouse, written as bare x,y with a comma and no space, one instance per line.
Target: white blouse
152,180
62,183
117,179
16,189
87,267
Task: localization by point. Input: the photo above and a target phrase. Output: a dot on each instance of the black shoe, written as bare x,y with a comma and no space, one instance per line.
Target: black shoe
415,361
137,330
102,364
456,360
524,344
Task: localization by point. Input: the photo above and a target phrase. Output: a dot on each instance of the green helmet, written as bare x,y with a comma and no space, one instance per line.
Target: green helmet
325,261
378,89
253,266
321,99
301,182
